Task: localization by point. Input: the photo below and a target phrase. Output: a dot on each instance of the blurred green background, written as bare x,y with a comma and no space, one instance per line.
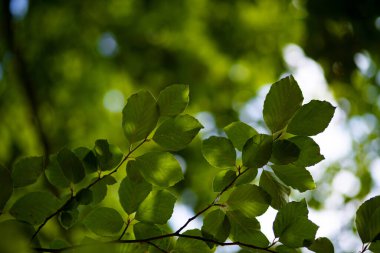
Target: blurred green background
67,68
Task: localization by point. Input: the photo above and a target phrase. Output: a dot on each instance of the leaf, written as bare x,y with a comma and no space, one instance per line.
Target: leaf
375,247
173,100
295,176
239,132
88,158
70,165
27,170
54,173
219,152
99,192
281,103
277,190
159,168
140,116
145,230
368,220
34,207
104,221
322,245
285,249
132,193
222,179
176,133
157,207
309,151
68,218
216,226
187,245
257,151
312,118
284,152
108,155
249,199
15,237
246,230
84,197
248,176
6,187
292,226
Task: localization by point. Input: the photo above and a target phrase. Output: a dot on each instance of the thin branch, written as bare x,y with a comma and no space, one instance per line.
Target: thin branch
125,229
157,247
88,187
193,218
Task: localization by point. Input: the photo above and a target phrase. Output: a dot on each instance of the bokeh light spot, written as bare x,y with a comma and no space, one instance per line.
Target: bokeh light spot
113,101
19,8
107,45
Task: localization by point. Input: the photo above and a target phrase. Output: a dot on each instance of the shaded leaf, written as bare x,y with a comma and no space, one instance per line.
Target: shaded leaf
239,132
104,221
219,152
88,158
248,176
295,176
187,245
34,207
15,237
140,116
54,173
312,118
176,133
368,220
157,207
216,226
108,155
222,179
68,218
158,168
6,186
27,170
281,103
284,152
322,245
84,197
132,193
145,230
277,190
249,199
70,165
309,151
375,247
257,151
173,99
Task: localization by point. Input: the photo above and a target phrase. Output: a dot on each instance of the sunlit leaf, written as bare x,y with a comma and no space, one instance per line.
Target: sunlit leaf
219,152
248,176
157,207
322,245
187,245
176,133
140,116
312,118
34,207
15,237
216,226
257,151
294,176
309,151
6,186
70,165
284,152
104,221
132,193
27,170
239,132
108,155
277,190
368,220
144,230
222,179
173,99
287,215
249,199
281,103
159,168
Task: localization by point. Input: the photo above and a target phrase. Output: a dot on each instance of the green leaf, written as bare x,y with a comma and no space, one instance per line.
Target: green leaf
157,207
176,133
54,173
287,215
173,100
246,230
239,132
281,103
84,197
132,193
257,151
187,245
375,247
368,220
216,226
6,187
104,221
99,191
277,190
34,207
88,158
222,179
295,176
71,166
285,249
145,230
309,151
248,176
140,116
158,168
312,118
68,218
322,245
284,152
27,170
15,237
108,155
219,152
249,199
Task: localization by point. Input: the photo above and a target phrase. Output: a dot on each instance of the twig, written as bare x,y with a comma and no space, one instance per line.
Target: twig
157,247
125,229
